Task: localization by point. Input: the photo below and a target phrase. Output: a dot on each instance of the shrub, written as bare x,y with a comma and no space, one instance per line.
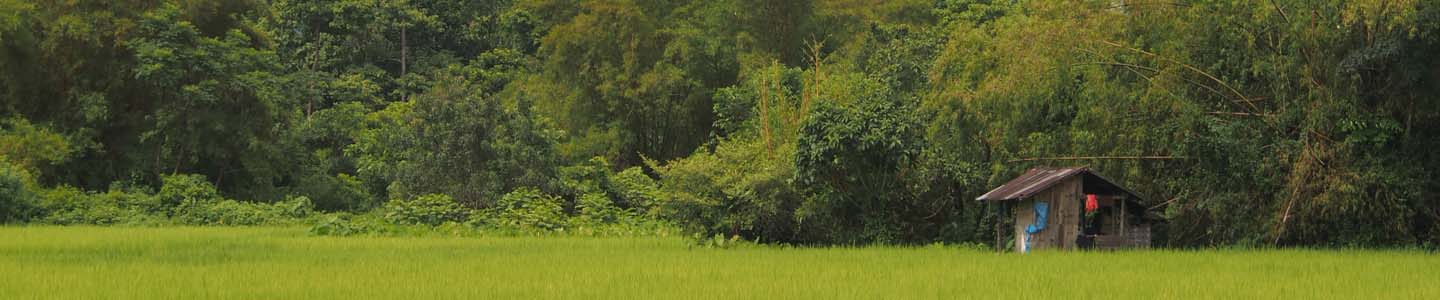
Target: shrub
336,225
231,212
224,212
184,192
17,200
597,208
628,189
297,207
527,209
335,193
70,206
192,200
635,189
738,189
584,177
431,209
29,147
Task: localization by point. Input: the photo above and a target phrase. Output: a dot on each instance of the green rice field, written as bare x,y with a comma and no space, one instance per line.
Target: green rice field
288,263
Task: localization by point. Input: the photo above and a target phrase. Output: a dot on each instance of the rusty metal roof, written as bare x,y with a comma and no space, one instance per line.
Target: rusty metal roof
1033,181
1038,179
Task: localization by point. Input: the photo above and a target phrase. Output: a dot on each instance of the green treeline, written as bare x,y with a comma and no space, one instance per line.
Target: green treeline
1243,122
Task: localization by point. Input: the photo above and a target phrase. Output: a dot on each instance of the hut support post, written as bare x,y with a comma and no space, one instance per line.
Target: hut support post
1123,217
997,209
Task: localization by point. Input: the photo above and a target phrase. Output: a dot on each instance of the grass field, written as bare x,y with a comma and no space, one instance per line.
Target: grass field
266,263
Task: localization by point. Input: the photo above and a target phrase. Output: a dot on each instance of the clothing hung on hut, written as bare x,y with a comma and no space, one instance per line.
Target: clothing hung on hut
1091,203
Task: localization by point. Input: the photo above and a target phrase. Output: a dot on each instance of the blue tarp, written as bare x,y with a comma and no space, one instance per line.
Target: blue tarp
1042,212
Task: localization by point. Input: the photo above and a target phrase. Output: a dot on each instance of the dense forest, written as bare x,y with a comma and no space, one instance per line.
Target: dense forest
1242,122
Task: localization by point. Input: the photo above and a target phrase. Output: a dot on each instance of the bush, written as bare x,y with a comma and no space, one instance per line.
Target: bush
17,200
528,209
30,147
582,178
738,189
183,199
231,212
225,212
635,189
336,225
341,192
596,208
298,207
185,192
593,181
431,209
70,206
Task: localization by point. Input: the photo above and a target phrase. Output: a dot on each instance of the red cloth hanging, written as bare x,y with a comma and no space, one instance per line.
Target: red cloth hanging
1091,204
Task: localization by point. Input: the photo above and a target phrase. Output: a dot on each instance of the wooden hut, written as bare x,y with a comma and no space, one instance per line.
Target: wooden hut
1072,208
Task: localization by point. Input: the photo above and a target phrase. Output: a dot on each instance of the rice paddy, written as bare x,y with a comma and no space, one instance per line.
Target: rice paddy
288,263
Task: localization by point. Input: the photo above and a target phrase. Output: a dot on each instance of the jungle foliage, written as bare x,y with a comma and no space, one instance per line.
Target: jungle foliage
1243,122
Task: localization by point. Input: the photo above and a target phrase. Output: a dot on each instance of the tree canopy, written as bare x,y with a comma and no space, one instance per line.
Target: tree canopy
809,122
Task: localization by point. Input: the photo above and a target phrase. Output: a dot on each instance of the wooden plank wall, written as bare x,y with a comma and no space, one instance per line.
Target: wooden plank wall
1110,224
1064,216
1068,194
1136,236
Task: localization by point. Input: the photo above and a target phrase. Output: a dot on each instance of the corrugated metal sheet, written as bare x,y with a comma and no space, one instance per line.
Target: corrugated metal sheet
1033,181
1038,179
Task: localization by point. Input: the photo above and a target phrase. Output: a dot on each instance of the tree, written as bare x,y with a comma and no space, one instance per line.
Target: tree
630,68
139,89
457,138
213,106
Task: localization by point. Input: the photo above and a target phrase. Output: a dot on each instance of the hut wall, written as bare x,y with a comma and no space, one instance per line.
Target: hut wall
1135,236
1112,222
1064,216
1025,215
1068,192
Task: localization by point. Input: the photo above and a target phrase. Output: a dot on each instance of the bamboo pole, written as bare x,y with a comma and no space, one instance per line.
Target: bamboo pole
1242,114
1099,158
